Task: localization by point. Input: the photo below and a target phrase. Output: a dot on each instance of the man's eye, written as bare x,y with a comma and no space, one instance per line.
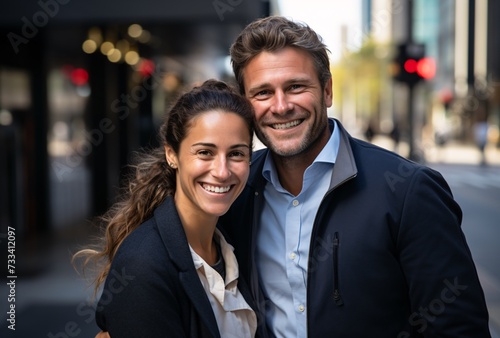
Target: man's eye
262,94
296,87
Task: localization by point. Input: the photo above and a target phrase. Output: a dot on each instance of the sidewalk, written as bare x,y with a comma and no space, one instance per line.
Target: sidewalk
451,153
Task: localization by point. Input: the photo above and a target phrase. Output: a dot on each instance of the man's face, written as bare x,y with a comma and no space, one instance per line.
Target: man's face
290,106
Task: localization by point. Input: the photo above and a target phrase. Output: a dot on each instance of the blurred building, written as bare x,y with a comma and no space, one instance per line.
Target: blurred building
83,84
464,92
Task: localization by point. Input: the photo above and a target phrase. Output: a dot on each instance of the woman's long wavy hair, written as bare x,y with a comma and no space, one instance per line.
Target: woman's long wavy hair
151,179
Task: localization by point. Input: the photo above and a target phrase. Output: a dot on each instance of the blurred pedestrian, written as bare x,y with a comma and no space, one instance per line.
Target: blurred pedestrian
370,131
396,137
481,128
481,139
340,238
169,271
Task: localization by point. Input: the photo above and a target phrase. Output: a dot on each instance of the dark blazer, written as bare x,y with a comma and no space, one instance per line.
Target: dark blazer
153,289
387,258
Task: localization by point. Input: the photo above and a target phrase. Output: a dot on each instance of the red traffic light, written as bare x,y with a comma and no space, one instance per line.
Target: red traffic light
426,68
410,65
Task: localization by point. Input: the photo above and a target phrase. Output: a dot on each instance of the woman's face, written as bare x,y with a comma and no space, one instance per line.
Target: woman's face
212,164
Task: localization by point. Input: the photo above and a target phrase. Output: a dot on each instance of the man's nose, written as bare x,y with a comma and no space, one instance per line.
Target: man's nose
281,103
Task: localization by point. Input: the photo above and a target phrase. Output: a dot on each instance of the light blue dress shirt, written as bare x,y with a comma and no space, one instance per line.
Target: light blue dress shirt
284,238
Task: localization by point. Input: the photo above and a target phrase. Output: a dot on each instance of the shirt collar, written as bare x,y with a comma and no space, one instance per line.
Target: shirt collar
227,249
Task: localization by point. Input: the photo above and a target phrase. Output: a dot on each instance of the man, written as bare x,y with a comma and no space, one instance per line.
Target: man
337,237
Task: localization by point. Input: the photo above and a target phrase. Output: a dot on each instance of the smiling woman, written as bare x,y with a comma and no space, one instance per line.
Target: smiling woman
212,168
183,275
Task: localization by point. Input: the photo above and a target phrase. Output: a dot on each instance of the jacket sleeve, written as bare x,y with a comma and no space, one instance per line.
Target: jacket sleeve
138,299
446,296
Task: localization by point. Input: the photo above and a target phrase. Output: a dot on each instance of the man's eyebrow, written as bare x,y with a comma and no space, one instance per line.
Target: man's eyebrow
303,79
258,88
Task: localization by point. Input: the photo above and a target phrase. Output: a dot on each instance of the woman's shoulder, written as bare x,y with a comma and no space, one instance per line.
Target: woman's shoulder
141,246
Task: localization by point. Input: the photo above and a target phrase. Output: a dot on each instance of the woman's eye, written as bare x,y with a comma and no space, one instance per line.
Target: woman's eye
238,155
204,153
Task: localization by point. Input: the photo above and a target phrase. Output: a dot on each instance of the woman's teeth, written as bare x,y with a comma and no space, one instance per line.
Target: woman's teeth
212,188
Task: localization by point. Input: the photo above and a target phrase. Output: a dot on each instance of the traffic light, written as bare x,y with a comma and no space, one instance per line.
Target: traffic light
410,64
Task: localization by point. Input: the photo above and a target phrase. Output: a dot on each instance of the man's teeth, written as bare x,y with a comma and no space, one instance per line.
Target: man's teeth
286,125
211,188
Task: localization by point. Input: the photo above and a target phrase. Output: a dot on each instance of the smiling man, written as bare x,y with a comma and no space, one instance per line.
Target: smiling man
340,238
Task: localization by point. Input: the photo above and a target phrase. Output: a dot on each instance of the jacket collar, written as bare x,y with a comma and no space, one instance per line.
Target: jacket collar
345,165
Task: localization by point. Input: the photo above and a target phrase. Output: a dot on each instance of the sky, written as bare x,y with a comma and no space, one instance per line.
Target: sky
326,17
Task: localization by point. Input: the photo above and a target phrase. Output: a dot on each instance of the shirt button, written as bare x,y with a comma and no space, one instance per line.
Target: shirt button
292,255
301,308
295,203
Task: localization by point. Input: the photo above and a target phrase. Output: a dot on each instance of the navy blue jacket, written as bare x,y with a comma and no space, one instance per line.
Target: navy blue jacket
153,289
388,257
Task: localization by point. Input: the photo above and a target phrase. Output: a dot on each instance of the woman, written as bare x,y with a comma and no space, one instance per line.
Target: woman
170,271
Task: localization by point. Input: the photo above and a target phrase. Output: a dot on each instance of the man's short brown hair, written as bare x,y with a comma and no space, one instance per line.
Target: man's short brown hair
273,34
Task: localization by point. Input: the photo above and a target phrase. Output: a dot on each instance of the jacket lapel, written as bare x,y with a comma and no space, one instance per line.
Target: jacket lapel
175,241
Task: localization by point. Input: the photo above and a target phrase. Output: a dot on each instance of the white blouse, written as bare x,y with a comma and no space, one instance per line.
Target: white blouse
235,318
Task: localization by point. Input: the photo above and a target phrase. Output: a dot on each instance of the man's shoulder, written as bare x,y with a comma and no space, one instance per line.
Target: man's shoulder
379,156
258,158
259,155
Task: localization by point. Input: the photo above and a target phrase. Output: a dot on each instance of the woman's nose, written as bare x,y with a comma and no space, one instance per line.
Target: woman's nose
221,169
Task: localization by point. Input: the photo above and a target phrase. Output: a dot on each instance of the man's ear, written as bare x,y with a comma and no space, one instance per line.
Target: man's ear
328,93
